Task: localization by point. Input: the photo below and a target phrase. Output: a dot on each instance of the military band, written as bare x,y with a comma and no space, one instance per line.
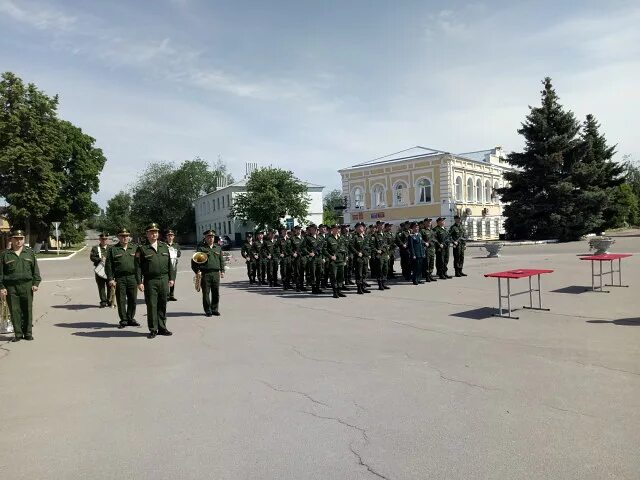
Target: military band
209,269
98,257
120,268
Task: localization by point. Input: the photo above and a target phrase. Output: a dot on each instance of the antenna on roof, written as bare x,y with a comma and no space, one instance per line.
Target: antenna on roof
250,168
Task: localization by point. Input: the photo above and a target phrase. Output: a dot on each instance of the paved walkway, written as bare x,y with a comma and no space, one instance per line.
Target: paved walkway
417,382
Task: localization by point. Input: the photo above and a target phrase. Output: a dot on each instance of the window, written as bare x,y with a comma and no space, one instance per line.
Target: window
214,204
229,224
400,194
487,226
459,189
424,191
222,202
218,203
228,203
378,197
224,225
497,226
357,198
479,191
208,207
494,193
470,227
488,197
470,190
479,227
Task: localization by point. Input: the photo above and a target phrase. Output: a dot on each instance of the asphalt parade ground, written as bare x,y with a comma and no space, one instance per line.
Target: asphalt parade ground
416,382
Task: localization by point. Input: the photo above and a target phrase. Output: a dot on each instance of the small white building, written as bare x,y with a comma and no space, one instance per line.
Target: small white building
213,209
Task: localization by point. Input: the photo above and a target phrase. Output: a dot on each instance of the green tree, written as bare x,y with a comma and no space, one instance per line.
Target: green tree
118,214
166,194
332,202
540,196
272,194
623,209
49,169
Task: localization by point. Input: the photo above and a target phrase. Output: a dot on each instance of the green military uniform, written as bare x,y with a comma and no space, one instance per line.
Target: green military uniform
391,247
154,271
247,253
284,249
18,275
261,264
174,262
458,236
345,236
210,271
401,239
358,246
121,267
441,238
299,261
99,254
271,254
380,258
312,249
335,251
431,254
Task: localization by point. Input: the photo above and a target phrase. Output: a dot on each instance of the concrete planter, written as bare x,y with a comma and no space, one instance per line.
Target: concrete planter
601,244
493,249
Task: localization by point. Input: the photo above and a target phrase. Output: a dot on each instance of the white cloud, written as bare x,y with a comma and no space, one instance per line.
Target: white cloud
38,16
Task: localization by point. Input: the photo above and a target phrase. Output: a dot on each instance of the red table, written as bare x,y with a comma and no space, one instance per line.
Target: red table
521,273
606,257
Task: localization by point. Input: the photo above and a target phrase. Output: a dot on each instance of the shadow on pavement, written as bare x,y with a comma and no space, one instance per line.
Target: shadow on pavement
574,289
476,314
76,306
621,321
185,314
91,325
110,334
277,291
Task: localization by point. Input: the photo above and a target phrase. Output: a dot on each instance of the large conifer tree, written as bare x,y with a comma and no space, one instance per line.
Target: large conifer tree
539,195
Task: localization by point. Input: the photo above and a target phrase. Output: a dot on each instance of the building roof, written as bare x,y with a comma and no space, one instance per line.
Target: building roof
243,183
478,155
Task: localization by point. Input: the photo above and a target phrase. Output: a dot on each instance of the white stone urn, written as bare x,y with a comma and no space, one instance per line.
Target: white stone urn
493,249
601,244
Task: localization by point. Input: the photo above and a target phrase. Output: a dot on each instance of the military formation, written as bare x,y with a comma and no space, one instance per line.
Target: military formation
334,257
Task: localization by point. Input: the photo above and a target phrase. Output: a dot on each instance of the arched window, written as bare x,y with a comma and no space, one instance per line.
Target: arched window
497,226
494,194
470,228
459,189
423,191
470,190
487,226
208,206
479,191
378,197
487,192
357,198
479,228
400,194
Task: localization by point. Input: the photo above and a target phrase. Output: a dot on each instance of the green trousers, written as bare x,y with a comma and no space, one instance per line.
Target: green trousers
126,296
430,260
442,260
299,265
155,296
210,287
285,269
458,258
336,273
20,300
314,270
360,268
102,289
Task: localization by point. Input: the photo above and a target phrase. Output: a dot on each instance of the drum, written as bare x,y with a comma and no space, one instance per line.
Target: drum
100,271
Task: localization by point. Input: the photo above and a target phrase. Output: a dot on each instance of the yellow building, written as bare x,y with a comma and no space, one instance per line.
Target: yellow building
422,183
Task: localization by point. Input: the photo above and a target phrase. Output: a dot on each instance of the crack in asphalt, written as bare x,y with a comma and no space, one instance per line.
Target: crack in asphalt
362,431
305,395
306,357
365,465
607,368
575,412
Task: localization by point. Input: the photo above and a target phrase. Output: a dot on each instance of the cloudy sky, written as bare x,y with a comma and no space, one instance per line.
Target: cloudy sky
314,86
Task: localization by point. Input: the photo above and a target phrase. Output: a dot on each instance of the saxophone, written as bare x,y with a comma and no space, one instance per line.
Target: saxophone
5,316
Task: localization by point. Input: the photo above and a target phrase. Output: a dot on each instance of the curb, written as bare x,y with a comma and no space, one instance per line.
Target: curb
56,259
514,244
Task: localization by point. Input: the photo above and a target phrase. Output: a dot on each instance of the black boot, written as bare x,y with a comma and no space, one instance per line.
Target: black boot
384,285
380,287
335,293
359,287
340,294
462,274
458,273
345,288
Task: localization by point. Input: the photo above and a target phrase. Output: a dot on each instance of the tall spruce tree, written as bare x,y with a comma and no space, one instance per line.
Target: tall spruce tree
540,194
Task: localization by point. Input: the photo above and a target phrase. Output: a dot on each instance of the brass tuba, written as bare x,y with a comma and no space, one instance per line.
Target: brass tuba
5,316
199,258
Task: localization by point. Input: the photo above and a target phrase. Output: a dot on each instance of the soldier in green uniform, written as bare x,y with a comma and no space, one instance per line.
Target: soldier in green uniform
380,256
19,280
335,253
98,256
261,262
391,247
345,236
298,259
284,249
312,249
403,247
247,253
121,274
428,236
175,255
459,241
323,233
442,240
368,234
154,275
271,255
358,245
211,272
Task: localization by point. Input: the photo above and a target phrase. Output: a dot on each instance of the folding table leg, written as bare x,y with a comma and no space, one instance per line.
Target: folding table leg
619,284
539,307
